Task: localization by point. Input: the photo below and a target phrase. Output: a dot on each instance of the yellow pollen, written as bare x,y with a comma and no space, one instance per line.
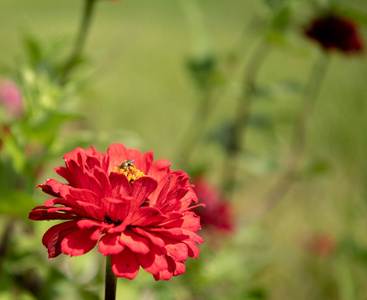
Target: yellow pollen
130,172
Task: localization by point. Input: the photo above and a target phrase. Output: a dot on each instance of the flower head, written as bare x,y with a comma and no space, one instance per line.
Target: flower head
335,33
217,213
11,98
136,210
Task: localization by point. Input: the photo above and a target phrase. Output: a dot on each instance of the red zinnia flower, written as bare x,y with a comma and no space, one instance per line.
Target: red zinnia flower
333,32
217,213
137,210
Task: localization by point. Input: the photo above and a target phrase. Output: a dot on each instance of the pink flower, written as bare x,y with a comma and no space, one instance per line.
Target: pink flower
217,213
11,98
136,210
335,33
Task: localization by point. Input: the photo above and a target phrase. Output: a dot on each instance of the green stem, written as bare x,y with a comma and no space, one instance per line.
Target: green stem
80,40
111,280
196,130
308,103
5,242
201,50
241,121
285,181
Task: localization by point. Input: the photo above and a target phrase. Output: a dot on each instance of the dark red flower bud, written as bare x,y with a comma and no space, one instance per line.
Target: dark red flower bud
335,33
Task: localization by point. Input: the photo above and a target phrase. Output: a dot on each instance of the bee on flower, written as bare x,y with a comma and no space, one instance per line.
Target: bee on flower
139,212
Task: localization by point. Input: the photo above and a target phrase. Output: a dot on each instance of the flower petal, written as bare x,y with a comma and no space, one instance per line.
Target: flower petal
142,188
153,238
80,241
53,237
40,213
65,173
178,251
152,262
147,216
135,242
116,154
125,264
109,244
193,249
120,185
146,162
174,269
159,168
116,209
103,180
51,187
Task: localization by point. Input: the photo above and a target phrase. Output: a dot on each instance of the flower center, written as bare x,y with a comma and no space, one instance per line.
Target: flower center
131,172
108,220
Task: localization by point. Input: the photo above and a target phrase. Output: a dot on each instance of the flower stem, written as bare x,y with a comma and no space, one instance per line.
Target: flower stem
5,242
196,130
286,179
111,280
80,40
241,121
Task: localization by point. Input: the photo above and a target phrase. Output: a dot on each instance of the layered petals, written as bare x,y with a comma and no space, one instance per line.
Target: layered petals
140,214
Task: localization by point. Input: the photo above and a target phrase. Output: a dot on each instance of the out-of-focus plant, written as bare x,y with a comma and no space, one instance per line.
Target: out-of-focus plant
202,67
332,33
36,100
274,34
30,136
208,73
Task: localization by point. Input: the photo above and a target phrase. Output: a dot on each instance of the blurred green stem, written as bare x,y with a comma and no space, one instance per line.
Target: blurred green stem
5,242
201,50
237,134
196,129
111,281
80,40
284,182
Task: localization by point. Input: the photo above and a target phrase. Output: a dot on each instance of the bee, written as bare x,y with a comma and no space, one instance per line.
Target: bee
126,164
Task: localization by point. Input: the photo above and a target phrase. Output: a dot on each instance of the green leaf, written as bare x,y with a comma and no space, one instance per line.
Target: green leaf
33,49
14,152
282,18
260,121
317,167
204,71
257,294
222,134
47,128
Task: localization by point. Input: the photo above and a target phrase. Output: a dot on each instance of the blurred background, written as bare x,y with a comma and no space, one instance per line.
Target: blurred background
168,76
